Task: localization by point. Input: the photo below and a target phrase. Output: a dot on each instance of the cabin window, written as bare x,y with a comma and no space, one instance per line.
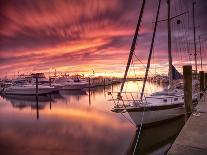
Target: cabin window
175,99
165,100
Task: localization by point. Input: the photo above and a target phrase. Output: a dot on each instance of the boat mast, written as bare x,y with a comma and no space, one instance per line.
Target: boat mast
150,53
201,54
169,46
194,38
132,47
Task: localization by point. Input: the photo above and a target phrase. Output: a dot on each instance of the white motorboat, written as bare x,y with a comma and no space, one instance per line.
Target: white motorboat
71,84
28,89
99,81
4,85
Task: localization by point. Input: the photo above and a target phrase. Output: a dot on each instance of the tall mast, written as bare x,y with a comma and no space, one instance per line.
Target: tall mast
194,38
132,46
200,53
151,49
169,45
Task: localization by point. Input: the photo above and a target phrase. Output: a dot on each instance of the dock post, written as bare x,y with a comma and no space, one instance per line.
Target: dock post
36,85
205,81
89,91
37,106
104,81
50,81
201,79
187,73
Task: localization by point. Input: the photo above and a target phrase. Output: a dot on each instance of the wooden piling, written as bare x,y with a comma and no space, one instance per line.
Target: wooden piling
37,106
187,73
205,81
50,81
36,85
202,80
89,91
104,82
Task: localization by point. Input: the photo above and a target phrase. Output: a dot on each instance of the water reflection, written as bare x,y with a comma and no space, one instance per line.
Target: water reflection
156,139
72,96
72,122
19,101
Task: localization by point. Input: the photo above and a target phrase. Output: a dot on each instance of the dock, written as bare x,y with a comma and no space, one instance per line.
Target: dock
192,139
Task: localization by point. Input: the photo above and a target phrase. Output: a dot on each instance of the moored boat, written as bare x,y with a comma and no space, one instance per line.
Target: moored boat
71,84
159,106
28,90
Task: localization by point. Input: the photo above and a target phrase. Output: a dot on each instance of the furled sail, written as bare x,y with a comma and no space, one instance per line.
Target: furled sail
175,74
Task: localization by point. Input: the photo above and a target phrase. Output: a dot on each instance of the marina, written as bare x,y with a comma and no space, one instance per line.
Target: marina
103,77
52,120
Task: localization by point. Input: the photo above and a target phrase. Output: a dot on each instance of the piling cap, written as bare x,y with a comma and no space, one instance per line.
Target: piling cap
187,65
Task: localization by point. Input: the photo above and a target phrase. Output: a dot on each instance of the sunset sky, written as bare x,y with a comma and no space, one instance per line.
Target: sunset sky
82,36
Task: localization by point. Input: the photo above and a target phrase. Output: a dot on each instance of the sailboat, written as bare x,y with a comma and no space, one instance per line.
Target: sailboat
159,106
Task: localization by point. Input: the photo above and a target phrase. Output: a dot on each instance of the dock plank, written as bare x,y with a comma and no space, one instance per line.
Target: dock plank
192,139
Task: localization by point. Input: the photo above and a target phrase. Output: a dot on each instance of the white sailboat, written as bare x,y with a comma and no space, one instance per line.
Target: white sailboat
161,105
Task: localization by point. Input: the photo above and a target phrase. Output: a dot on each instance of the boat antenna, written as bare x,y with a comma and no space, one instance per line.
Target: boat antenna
200,53
150,53
194,38
132,47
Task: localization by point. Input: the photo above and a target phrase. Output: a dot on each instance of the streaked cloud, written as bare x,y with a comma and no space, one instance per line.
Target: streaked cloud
39,35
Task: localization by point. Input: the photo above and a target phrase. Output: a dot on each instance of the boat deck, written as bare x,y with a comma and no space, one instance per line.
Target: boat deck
192,139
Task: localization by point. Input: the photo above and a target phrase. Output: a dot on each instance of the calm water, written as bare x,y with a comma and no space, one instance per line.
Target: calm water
74,122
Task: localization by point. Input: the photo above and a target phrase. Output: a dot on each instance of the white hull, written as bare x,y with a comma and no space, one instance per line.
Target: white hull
157,108
75,86
150,117
28,90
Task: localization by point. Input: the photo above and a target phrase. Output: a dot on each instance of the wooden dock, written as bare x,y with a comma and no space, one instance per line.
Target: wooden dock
192,139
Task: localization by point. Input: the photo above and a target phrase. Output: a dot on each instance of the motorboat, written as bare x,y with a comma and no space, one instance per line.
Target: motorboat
28,89
71,84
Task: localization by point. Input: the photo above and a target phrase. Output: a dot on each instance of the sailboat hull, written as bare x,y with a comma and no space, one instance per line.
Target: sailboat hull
150,117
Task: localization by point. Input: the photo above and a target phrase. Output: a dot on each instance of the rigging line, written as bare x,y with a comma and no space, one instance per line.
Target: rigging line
133,45
187,39
180,42
189,48
134,125
142,63
133,67
146,75
184,27
151,47
180,36
174,10
176,38
135,76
